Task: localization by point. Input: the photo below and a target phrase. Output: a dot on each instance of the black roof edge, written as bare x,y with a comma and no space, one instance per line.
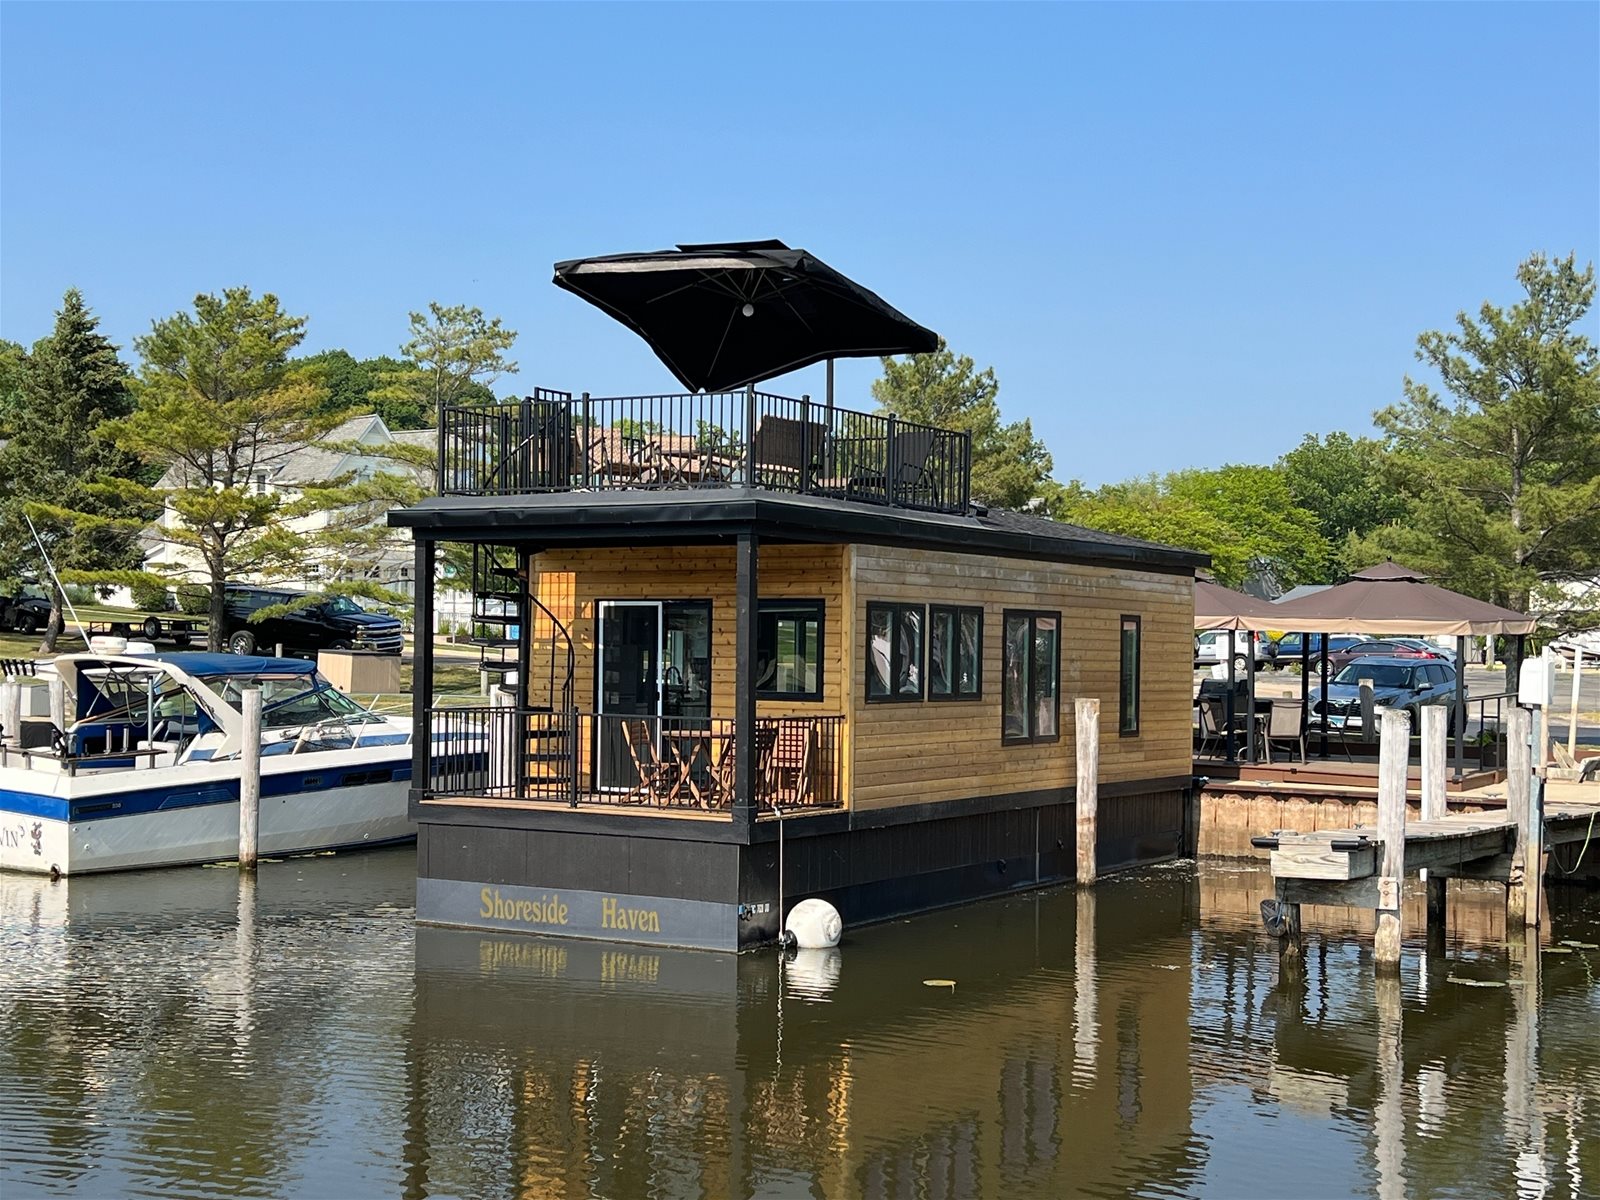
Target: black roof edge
548,521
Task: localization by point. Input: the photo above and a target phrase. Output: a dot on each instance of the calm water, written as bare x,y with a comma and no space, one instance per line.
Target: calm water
168,1035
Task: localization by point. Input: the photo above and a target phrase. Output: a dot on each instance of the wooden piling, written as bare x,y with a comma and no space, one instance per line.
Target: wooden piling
1519,779
1572,707
1394,749
250,780
1368,710
11,713
1435,722
1087,799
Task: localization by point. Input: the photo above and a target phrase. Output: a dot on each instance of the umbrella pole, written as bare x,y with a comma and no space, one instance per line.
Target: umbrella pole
829,469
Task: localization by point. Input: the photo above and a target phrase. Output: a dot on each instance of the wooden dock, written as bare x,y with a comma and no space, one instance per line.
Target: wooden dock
1366,868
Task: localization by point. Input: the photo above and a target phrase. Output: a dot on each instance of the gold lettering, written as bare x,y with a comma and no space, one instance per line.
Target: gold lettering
488,909
608,914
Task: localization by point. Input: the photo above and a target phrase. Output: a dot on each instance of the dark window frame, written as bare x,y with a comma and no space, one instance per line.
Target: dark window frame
956,612
806,602
1124,728
895,609
1032,616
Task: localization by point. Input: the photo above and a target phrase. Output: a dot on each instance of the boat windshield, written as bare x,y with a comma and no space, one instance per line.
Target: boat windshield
1382,675
292,700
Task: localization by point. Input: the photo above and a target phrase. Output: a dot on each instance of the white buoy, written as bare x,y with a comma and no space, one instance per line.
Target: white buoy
815,924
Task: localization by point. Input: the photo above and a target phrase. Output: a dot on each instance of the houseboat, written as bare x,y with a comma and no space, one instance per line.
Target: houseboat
745,622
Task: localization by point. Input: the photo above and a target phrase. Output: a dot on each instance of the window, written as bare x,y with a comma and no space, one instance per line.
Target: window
1128,696
1029,702
789,650
955,653
894,652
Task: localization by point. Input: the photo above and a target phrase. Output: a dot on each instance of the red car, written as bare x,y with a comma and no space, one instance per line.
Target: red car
1397,648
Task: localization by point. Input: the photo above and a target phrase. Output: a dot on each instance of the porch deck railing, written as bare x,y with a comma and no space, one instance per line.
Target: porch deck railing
553,442
521,755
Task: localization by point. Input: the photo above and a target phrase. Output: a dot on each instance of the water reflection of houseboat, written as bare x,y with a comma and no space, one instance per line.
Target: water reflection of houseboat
1065,1057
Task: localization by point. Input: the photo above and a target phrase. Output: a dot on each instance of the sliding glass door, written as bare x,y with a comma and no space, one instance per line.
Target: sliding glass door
653,661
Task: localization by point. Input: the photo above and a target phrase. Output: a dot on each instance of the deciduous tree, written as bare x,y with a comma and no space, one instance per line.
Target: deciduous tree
1341,481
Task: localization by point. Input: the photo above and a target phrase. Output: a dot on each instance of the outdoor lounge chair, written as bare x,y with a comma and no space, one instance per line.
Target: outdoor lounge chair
913,479
787,452
1213,717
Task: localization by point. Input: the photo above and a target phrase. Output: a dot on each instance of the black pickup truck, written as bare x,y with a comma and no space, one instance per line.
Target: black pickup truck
333,623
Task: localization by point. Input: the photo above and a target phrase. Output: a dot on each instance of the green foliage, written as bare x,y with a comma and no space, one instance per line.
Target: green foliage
1502,471
13,361
59,469
150,595
194,599
1010,467
1240,515
453,355
1341,481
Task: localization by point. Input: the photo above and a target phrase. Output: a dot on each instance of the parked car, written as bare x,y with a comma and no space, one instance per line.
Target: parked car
333,623
26,612
1445,652
1289,645
1406,683
1383,647
1212,647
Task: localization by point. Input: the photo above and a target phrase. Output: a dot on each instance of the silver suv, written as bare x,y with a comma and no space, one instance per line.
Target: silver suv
1211,647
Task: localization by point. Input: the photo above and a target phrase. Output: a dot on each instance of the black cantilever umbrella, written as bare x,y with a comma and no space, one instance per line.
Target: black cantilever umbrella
727,314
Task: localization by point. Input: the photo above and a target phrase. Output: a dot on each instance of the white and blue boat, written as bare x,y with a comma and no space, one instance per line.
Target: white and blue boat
145,771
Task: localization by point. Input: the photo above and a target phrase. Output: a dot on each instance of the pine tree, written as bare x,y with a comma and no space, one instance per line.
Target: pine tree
60,468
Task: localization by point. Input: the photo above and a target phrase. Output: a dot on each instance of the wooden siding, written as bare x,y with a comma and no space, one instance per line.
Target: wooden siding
571,582
945,750
895,754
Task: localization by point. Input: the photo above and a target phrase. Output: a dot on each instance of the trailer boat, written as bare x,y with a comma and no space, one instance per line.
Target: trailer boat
144,771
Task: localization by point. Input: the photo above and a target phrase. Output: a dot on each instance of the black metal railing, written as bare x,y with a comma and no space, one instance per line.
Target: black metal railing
552,442
520,755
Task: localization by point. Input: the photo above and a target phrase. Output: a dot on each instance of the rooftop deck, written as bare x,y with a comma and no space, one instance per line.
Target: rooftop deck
553,442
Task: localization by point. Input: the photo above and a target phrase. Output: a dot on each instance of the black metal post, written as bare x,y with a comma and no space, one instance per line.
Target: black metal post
1305,688
891,464
830,466
422,670
750,435
524,627
806,474
439,480
587,441
1461,706
744,683
1250,674
1227,736
1324,721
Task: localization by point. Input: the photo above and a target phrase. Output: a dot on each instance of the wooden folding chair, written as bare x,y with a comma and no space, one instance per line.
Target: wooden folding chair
788,773
658,778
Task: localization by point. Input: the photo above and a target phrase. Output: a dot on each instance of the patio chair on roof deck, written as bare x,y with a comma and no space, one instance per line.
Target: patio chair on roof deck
787,452
1286,723
913,478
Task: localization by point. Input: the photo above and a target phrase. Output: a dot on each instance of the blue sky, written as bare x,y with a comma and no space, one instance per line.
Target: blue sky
1182,235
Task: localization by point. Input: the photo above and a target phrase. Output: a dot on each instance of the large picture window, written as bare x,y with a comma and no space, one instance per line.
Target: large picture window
894,652
1031,677
789,650
955,653
1128,701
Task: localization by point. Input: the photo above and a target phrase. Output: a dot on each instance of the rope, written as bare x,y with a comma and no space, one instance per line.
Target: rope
1582,850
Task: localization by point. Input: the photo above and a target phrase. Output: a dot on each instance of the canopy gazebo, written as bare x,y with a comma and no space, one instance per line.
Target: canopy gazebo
1390,598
